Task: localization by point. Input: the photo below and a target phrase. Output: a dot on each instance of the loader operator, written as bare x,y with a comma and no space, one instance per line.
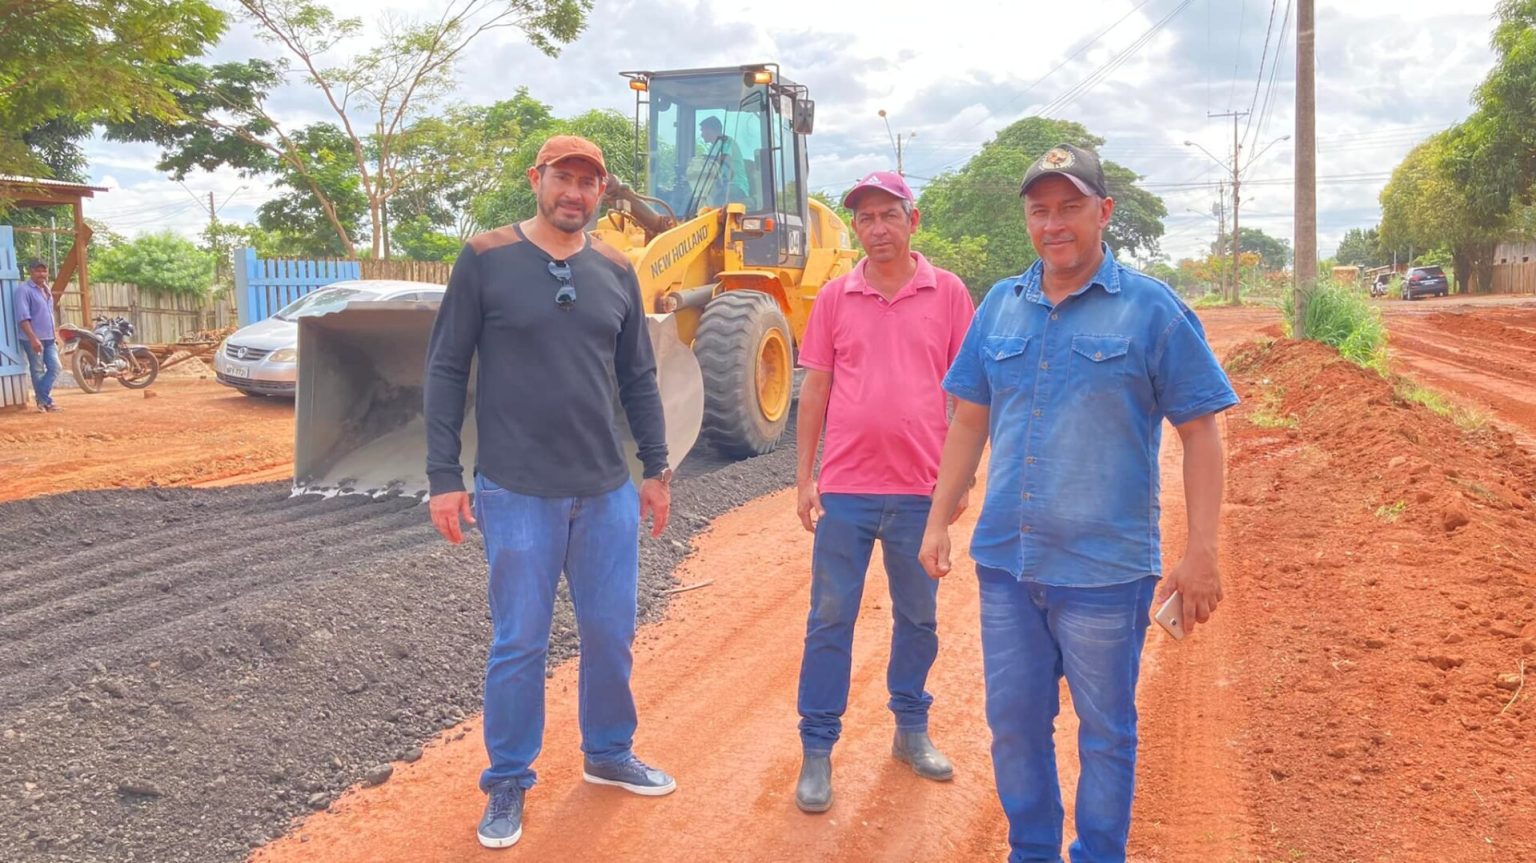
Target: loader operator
556,319
1071,368
876,349
723,165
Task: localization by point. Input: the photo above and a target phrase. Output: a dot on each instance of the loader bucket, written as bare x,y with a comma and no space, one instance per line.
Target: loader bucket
359,426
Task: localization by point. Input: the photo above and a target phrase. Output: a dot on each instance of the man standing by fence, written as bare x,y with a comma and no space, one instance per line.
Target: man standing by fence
34,314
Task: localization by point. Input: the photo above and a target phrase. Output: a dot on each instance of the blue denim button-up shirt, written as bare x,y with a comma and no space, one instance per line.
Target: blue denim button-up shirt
1078,393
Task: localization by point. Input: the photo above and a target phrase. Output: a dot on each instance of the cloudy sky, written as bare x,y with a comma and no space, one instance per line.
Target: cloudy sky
1144,74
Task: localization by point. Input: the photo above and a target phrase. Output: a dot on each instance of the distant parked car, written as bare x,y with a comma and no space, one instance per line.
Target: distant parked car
1425,282
263,359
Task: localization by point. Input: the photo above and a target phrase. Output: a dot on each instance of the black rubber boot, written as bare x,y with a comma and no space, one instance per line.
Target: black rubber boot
813,793
916,749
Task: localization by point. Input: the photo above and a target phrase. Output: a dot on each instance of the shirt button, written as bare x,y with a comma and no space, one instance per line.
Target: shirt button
1037,412
1055,317
1029,459
1026,495
1097,355
1045,365
1024,529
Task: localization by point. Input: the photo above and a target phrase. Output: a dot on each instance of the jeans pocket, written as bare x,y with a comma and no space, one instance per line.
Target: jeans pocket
1004,361
484,487
1100,362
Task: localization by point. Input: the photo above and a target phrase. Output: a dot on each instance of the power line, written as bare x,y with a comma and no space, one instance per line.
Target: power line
1264,114
1242,17
1259,80
1104,71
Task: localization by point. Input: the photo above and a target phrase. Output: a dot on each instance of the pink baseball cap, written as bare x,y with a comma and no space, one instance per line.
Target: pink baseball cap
889,182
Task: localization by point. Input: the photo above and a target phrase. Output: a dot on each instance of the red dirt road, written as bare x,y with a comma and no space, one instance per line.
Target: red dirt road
1484,353
183,430
715,685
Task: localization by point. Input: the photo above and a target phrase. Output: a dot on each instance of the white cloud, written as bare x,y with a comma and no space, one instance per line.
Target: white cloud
1389,73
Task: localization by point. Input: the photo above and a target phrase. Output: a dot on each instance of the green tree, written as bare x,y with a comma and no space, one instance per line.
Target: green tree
65,66
981,200
163,263
964,257
419,241
1360,248
1492,156
1424,205
450,163
1274,253
376,93
303,221
511,198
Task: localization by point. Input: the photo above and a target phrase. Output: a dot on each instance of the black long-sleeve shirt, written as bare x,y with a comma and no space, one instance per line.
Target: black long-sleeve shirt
546,380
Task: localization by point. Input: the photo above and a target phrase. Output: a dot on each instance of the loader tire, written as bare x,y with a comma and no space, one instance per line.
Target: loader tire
746,354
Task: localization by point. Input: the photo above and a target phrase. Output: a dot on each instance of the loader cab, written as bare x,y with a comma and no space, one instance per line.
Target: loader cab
709,137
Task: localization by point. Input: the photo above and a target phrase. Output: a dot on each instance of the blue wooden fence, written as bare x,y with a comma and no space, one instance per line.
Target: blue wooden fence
263,286
15,383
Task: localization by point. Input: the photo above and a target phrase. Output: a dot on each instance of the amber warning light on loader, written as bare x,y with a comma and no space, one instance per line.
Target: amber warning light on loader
761,76
639,85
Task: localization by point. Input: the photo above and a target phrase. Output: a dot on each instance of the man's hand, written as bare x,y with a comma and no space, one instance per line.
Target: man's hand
809,505
1199,585
961,507
934,555
37,345
446,508
656,502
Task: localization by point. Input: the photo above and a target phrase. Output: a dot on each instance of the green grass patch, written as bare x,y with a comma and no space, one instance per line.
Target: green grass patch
1267,415
1211,300
1465,418
1344,319
1391,512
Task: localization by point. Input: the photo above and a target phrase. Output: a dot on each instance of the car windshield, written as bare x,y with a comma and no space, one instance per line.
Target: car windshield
320,302
1432,271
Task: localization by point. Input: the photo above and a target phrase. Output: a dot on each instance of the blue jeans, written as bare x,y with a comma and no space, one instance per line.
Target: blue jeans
845,539
528,542
44,368
1031,635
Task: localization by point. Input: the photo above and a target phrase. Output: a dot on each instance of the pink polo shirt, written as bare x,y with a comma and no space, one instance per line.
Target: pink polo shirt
886,419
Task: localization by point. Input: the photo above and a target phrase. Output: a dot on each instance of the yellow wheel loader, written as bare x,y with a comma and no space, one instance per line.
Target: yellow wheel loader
730,253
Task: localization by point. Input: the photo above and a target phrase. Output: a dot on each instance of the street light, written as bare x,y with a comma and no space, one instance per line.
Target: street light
1261,152
896,141
1208,153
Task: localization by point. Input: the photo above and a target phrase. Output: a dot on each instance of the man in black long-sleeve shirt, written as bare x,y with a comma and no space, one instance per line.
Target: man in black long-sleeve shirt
557,320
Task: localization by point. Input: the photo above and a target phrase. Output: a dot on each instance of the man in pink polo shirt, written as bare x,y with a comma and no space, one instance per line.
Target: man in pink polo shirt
876,349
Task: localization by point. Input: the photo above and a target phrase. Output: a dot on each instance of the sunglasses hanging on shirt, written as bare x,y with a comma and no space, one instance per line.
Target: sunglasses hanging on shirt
565,298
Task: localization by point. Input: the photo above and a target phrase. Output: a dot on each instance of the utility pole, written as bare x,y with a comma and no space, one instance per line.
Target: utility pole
1237,268
213,239
1306,166
896,141
1221,221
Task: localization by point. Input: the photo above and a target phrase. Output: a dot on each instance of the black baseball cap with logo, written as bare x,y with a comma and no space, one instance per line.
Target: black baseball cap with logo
1075,163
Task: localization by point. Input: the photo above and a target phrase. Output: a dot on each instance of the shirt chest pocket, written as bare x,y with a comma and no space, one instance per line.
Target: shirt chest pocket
1004,360
1100,362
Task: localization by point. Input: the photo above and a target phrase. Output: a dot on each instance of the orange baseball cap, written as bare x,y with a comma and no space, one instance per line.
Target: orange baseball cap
571,147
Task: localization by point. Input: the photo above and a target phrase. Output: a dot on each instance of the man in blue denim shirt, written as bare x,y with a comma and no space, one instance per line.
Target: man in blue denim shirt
34,321
1071,368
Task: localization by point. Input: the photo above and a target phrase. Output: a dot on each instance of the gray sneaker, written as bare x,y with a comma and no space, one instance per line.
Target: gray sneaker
502,824
631,774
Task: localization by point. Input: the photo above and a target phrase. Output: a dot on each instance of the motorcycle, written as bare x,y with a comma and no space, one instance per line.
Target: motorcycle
105,352
1378,289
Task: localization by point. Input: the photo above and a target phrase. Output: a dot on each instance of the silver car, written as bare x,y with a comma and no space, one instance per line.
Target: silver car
263,359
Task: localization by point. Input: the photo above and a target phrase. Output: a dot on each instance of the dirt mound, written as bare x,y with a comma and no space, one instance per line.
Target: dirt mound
1389,560
183,671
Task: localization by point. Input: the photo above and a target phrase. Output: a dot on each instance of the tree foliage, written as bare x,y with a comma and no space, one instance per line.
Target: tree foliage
1425,206
303,220
377,94
511,198
163,263
1493,154
1273,253
64,66
981,200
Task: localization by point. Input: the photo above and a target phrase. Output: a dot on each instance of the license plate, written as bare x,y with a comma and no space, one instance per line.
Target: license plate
238,372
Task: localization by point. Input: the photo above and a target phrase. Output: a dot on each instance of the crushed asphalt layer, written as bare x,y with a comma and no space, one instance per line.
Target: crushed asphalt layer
183,672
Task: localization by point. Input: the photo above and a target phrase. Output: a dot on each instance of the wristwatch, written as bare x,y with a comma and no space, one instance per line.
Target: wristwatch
665,477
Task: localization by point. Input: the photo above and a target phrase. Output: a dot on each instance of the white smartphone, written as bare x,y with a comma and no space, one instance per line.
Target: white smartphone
1170,616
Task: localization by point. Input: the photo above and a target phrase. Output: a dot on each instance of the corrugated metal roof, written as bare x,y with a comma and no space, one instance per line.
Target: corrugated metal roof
11,180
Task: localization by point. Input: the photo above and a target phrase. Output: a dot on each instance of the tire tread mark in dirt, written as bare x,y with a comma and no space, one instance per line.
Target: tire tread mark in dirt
103,568
94,624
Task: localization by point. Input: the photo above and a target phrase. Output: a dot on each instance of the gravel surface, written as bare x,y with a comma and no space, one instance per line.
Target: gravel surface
184,671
